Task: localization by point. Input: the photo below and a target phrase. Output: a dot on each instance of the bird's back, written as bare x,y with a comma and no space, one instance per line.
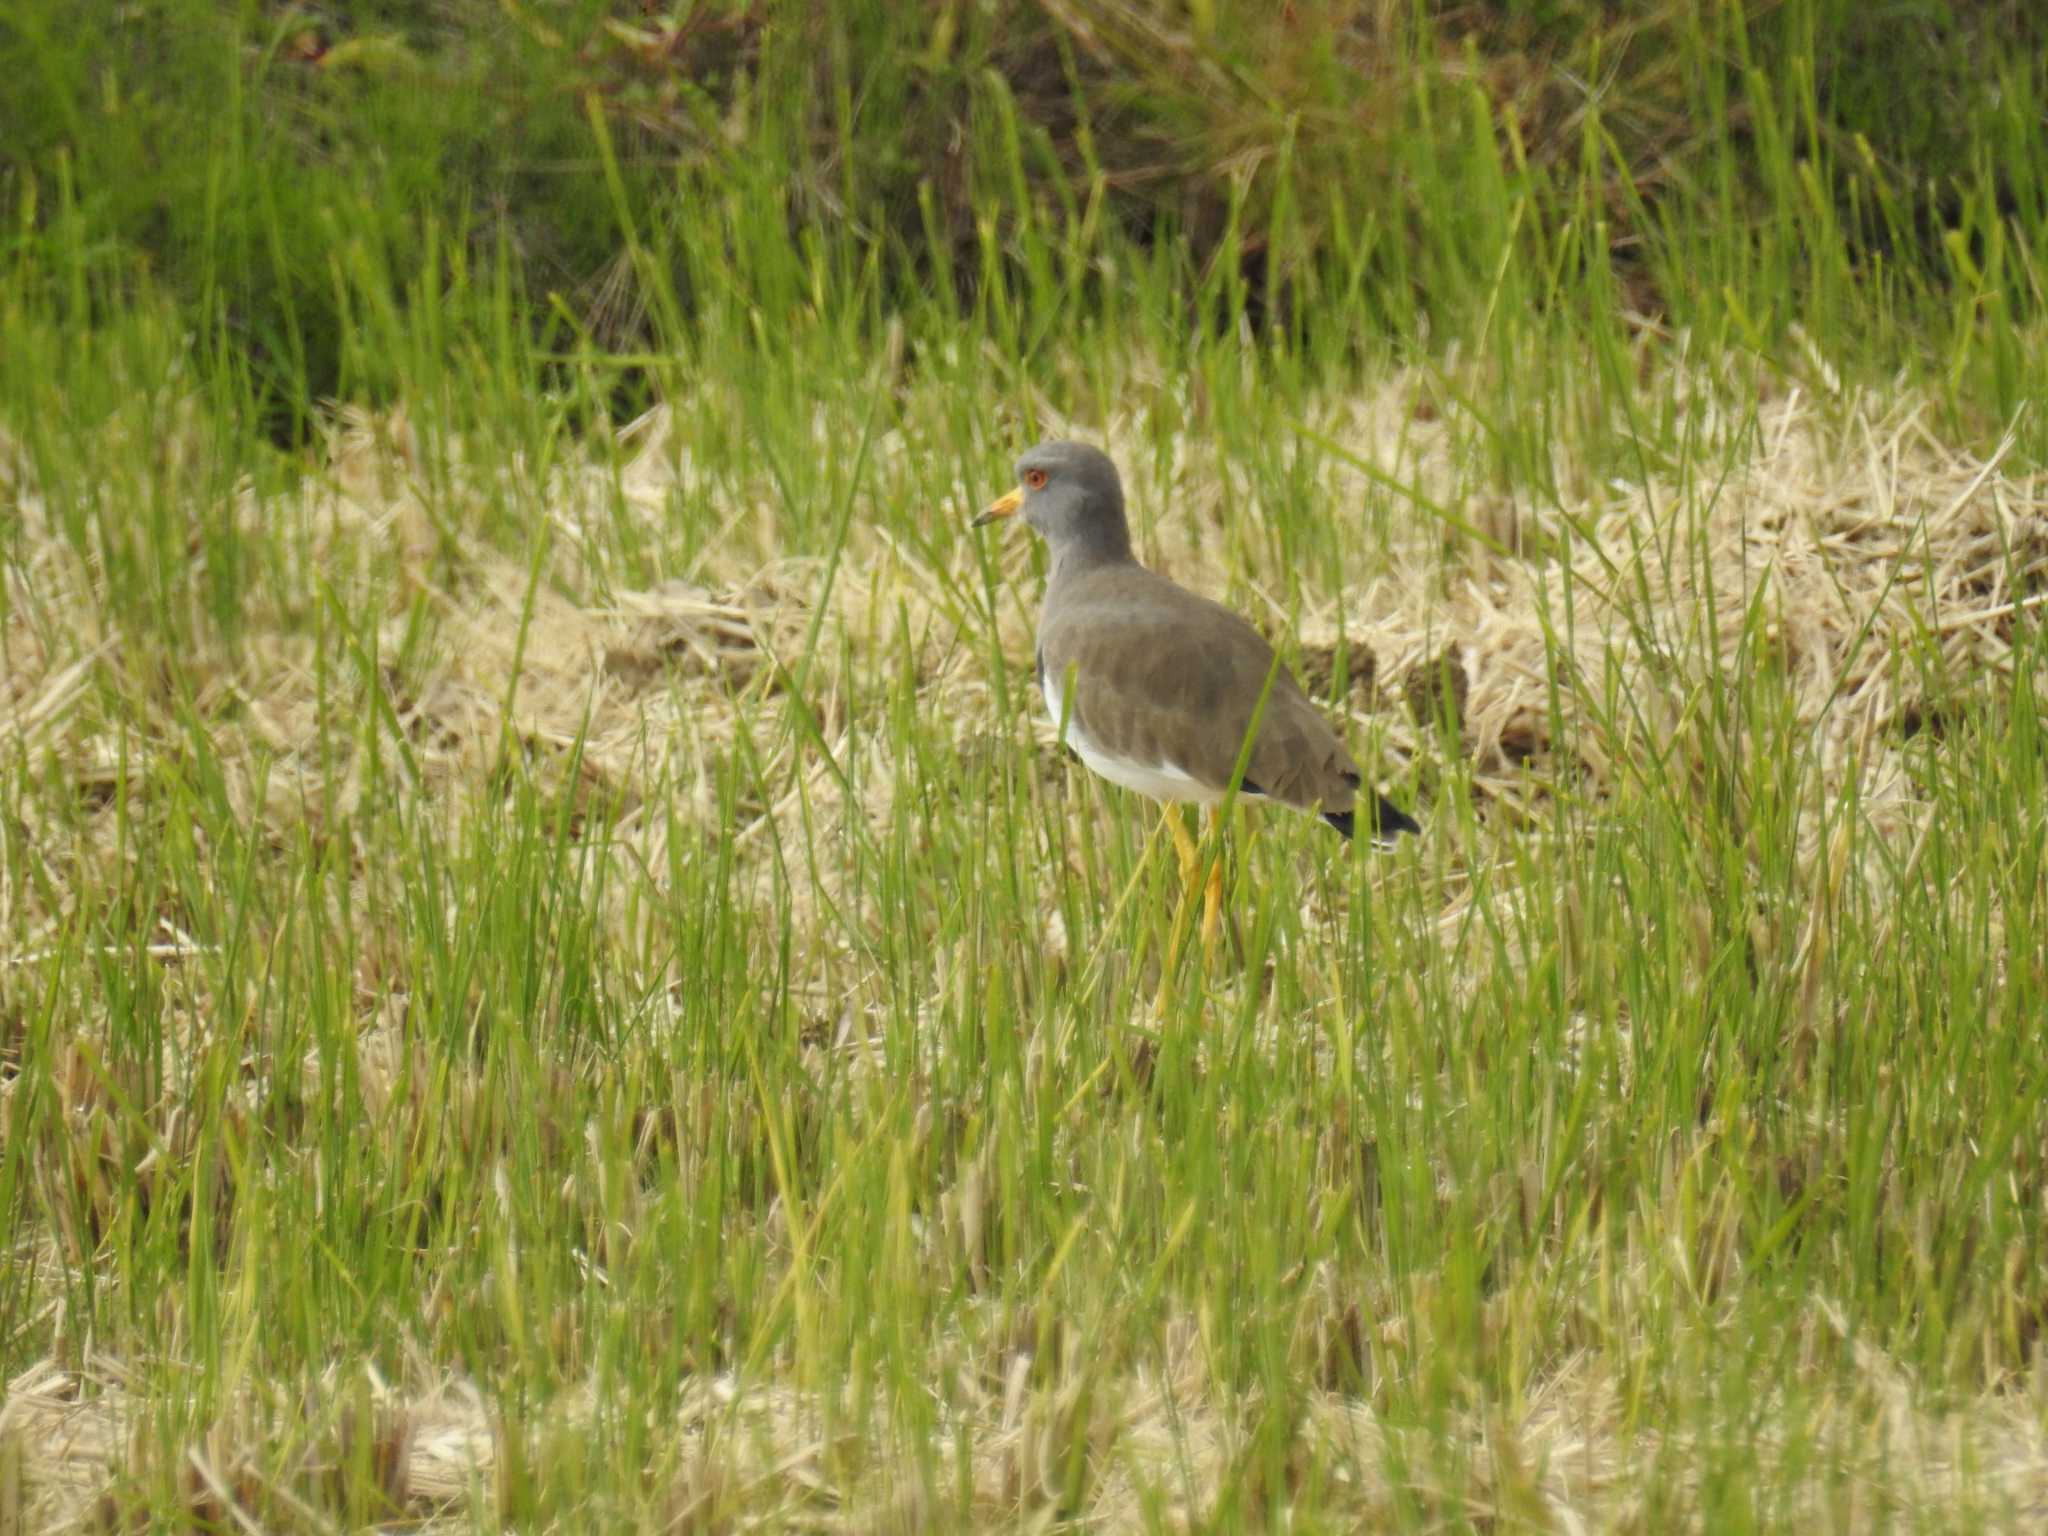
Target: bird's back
1168,677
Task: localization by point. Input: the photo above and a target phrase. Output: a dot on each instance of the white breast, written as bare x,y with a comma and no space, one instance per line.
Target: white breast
1161,780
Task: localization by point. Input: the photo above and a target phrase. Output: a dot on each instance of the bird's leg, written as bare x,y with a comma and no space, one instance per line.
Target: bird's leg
1184,909
1183,844
1212,897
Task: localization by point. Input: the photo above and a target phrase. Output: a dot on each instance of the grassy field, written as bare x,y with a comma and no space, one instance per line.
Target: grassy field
553,975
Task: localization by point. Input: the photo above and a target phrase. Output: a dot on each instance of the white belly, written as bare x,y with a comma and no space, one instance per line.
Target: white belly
1161,780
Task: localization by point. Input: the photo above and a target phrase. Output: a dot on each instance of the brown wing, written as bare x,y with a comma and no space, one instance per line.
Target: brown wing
1166,676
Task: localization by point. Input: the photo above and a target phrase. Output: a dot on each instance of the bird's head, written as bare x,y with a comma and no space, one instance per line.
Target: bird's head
1071,495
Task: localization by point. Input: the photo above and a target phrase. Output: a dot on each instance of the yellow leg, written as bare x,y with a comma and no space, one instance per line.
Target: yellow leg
1184,845
1190,879
1212,898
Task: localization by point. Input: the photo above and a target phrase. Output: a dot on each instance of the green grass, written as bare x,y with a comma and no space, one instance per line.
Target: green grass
688,1047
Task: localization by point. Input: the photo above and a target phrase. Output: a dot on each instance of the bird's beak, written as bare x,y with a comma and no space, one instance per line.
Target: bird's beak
1002,507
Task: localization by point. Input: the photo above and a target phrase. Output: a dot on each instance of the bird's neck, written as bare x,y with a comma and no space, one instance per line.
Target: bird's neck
1078,557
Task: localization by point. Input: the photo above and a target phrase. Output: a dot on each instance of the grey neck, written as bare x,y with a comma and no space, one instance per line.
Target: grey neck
1103,544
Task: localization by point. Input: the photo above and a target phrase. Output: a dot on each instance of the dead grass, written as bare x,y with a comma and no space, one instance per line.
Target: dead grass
1880,571
1863,541
1872,1451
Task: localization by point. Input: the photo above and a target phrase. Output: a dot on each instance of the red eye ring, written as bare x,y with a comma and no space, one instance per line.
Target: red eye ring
1035,479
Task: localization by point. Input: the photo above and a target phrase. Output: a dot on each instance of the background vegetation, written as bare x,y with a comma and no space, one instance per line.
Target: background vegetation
1865,169
549,975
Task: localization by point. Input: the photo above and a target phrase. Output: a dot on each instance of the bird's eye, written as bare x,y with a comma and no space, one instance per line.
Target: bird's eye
1034,479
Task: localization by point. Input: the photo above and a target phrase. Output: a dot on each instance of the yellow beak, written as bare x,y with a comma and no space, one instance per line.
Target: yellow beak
1002,507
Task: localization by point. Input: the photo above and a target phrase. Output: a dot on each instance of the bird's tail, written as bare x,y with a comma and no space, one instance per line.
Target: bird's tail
1389,821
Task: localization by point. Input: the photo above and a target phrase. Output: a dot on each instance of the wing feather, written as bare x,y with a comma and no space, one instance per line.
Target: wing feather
1165,676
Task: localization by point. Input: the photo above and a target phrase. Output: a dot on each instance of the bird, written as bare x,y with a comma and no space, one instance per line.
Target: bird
1159,689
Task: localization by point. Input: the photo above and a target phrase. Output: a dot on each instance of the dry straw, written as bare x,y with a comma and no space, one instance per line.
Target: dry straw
1850,548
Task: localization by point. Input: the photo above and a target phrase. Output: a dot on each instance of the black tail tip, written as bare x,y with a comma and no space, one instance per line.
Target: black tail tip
1389,821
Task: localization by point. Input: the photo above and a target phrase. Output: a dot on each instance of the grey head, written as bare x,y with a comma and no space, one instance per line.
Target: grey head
1072,496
